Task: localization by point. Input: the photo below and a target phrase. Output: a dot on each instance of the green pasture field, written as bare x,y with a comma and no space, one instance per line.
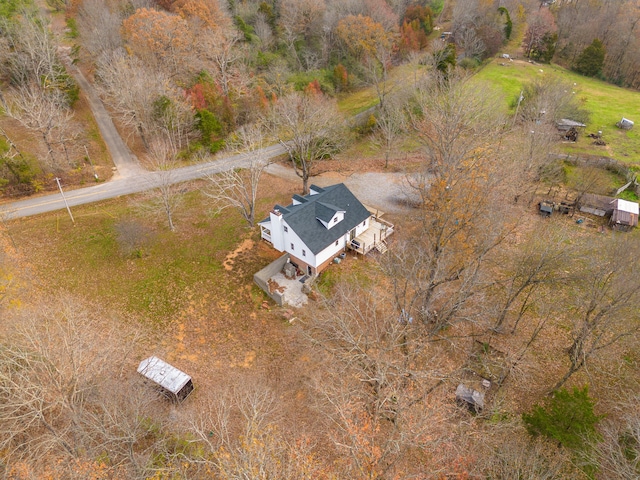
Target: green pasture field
607,104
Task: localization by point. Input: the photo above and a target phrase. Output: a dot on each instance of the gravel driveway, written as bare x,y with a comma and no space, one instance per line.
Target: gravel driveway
382,190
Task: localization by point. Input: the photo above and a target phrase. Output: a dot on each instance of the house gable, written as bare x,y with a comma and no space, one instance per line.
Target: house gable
328,215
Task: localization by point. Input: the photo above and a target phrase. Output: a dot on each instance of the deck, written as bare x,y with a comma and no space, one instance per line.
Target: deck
373,237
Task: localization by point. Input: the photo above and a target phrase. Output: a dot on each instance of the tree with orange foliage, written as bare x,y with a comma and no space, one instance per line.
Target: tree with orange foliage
161,39
207,12
416,25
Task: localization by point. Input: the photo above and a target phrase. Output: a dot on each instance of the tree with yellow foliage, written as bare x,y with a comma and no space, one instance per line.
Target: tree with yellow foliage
371,45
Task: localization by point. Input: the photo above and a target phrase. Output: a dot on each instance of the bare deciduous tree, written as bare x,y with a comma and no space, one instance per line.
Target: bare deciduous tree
238,188
310,128
536,263
132,236
438,271
51,368
391,125
471,44
132,91
547,101
617,453
297,20
511,456
45,113
99,28
242,435
531,159
226,54
263,31
605,300
166,194
32,56
378,384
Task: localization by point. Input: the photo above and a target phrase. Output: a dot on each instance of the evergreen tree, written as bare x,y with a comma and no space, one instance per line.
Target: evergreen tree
508,24
567,417
591,60
546,49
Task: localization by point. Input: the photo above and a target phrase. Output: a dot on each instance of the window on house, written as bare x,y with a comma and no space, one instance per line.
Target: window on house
292,247
335,219
337,242
364,223
304,253
286,229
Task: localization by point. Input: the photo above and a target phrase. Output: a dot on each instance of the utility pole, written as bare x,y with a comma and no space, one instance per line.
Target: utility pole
515,115
95,175
65,200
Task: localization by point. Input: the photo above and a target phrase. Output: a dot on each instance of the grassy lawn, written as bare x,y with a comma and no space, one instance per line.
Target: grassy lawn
607,104
159,281
356,102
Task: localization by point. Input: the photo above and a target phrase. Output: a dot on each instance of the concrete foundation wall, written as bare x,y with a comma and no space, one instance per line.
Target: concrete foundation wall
262,278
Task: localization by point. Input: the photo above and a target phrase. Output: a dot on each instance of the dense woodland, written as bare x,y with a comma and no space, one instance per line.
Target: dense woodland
473,284
191,73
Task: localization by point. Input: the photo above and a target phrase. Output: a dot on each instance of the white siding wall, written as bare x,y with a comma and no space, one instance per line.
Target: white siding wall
332,250
360,228
276,231
339,216
290,237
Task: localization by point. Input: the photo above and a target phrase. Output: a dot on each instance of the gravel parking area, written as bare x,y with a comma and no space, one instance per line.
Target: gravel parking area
383,190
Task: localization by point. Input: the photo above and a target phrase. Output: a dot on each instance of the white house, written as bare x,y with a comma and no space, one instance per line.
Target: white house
318,226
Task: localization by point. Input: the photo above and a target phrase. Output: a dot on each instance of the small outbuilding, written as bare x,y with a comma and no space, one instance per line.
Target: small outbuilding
174,383
625,124
565,124
546,208
473,399
599,205
625,215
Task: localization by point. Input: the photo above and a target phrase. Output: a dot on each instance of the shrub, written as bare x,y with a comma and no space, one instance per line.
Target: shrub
567,418
211,129
324,79
132,237
72,25
469,63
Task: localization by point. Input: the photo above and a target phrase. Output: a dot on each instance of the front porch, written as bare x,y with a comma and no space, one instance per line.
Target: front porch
373,237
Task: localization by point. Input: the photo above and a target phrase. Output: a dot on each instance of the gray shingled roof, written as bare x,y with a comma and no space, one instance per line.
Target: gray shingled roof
303,218
326,211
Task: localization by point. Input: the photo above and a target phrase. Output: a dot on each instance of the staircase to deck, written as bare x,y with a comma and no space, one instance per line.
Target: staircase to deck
381,247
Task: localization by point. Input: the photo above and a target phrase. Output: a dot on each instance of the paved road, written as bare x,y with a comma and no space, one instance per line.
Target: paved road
130,177
125,185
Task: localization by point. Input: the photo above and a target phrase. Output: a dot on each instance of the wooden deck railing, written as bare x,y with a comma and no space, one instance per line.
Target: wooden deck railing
384,229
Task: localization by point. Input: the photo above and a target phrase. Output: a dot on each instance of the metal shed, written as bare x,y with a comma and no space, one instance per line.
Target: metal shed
470,397
566,124
625,124
174,383
625,214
